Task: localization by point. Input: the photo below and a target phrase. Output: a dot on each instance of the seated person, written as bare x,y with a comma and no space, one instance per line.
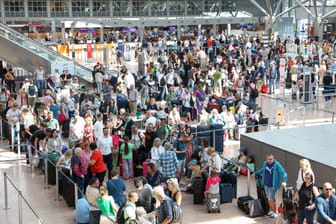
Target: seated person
152,106
153,176
195,172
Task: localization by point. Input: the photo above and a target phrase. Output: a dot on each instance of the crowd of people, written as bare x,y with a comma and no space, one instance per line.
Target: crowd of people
124,122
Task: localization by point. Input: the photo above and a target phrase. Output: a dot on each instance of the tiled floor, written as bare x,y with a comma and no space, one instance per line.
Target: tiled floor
52,211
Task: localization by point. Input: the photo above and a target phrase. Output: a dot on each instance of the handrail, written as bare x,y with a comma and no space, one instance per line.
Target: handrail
296,109
329,111
20,197
19,36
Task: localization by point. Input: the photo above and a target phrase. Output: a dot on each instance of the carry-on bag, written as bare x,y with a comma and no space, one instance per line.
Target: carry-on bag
213,203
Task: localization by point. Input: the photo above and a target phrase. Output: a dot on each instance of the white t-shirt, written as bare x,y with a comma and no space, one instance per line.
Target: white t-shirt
105,144
98,129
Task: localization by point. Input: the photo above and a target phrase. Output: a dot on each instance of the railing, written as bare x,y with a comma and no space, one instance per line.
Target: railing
303,108
20,198
42,51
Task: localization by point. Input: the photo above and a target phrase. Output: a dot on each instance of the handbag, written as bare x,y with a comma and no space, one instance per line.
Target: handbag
35,160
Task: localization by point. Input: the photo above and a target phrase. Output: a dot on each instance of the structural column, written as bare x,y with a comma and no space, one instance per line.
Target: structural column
229,29
318,30
101,33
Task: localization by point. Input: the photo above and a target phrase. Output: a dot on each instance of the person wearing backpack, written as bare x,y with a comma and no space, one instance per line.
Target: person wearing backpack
126,213
166,212
31,91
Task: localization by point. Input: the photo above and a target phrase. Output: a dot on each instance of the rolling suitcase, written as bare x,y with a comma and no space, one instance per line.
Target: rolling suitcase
213,203
219,137
249,205
262,194
230,177
198,191
145,168
226,192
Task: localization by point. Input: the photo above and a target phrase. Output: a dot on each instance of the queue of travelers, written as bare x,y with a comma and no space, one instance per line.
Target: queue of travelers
112,129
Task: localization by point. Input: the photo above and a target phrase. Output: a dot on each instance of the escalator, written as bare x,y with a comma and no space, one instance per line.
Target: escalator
19,50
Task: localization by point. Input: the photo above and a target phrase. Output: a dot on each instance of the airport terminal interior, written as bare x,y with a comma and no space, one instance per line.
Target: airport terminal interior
284,49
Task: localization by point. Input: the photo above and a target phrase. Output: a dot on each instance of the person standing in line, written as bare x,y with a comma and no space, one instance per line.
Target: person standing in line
97,165
39,76
168,163
126,150
326,205
304,168
273,177
306,196
104,143
133,99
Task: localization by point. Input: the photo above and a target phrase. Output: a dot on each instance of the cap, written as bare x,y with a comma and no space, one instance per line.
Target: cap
242,149
168,146
76,112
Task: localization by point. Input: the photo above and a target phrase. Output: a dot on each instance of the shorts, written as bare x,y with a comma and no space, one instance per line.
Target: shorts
270,193
181,165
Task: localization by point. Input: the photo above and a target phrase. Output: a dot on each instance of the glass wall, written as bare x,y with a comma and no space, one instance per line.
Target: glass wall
59,8
101,7
14,8
80,8
120,8
194,7
159,8
176,7
140,8
37,8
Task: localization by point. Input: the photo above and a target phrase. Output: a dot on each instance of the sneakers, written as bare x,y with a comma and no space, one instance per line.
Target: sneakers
272,215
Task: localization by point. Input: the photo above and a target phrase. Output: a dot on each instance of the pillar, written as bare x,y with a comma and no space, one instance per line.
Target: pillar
229,29
101,33
199,30
141,33
63,34
179,32
214,29
129,35
318,30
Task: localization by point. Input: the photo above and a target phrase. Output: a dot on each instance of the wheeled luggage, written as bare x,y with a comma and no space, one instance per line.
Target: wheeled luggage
249,205
226,192
213,203
231,178
262,194
145,168
219,137
198,191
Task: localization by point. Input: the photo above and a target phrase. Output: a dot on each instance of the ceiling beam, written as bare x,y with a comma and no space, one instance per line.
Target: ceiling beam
259,7
269,6
277,8
305,8
328,14
315,9
289,9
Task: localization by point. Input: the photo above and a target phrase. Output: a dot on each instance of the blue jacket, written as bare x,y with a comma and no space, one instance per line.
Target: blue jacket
279,174
325,208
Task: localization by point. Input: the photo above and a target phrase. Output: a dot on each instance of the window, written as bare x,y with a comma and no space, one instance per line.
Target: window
101,8
37,8
194,8
176,7
14,8
159,8
59,8
140,8
211,6
120,8
80,8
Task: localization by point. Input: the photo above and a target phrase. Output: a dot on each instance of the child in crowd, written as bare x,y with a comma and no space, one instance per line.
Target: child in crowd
250,164
212,184
115,149
195,172
288,214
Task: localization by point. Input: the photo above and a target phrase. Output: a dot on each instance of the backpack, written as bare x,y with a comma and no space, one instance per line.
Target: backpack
31,90
177,212
162,81
120,215
254,92
201,96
